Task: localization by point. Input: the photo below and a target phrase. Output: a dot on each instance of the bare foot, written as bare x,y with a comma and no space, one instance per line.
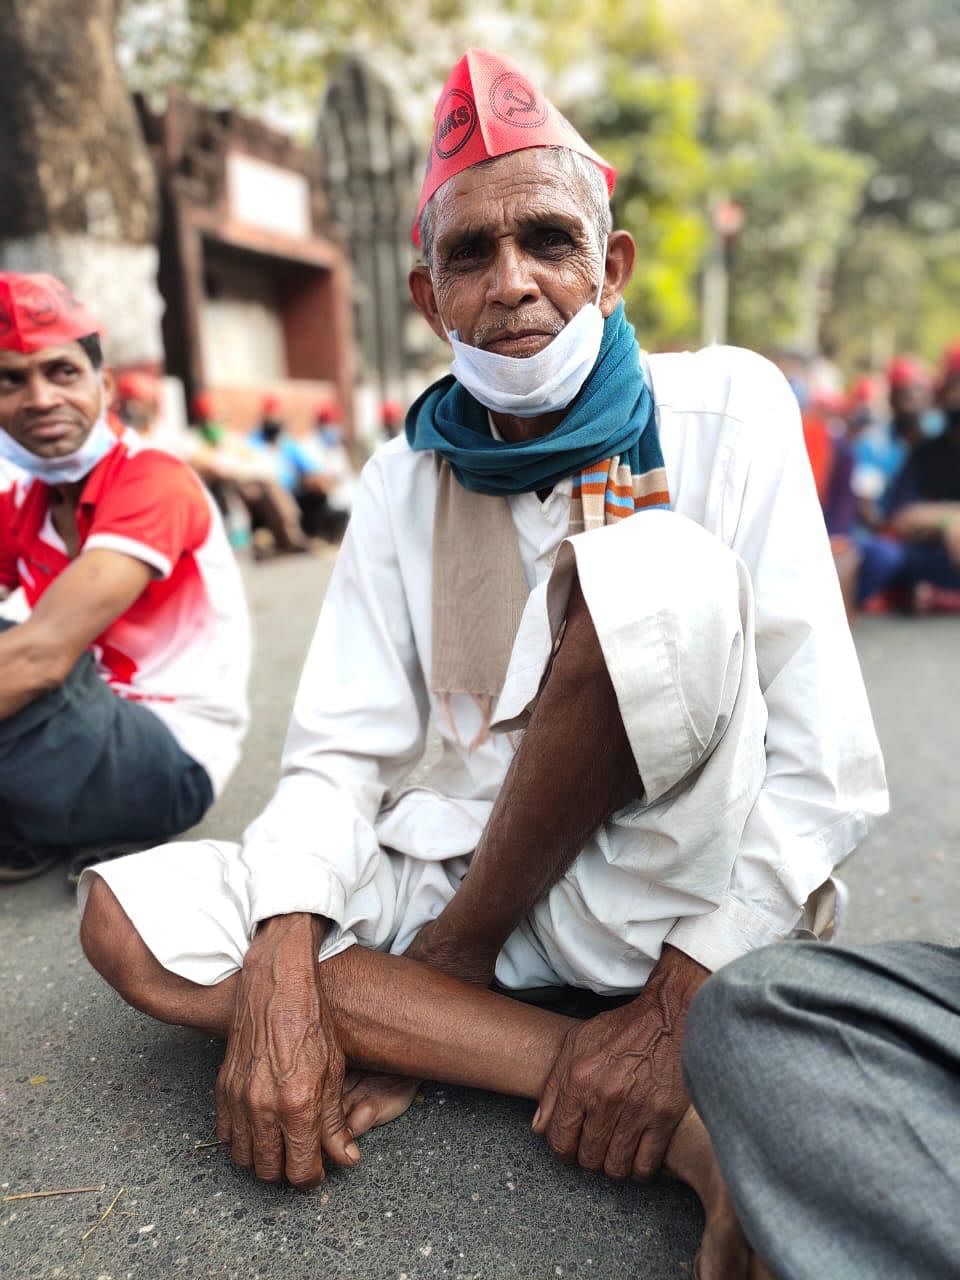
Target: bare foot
371,1099
725,1253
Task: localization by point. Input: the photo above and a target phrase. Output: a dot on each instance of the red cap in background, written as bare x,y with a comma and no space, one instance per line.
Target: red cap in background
489,108
270,406
907,371
136,385
863,390
391,412
950,363
202,406
38,311
326,412
827,401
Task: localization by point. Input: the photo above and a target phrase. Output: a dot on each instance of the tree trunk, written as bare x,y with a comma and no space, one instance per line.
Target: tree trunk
79,196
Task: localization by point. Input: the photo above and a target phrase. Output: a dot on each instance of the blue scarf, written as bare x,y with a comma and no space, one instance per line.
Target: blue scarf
612,416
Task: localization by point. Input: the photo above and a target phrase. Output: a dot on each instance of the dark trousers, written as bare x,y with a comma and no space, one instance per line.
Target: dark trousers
829,1079
80,765
888,563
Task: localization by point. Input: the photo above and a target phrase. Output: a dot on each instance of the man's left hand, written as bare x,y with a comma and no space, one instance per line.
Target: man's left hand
616,1094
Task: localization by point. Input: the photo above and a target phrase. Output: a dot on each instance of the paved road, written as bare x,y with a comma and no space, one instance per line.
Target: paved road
91,1093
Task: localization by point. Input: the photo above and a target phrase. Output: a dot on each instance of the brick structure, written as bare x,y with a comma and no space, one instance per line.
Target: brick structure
254,276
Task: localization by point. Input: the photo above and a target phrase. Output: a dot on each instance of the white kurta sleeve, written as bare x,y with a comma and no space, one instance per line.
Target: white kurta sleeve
358,725
824,779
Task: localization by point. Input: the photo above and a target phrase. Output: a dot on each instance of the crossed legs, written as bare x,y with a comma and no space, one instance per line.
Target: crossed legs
394,1014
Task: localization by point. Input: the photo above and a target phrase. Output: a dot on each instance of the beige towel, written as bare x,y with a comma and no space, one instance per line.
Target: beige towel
479,591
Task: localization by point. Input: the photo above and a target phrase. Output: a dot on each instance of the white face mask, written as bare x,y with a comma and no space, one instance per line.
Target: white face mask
528,386
71,467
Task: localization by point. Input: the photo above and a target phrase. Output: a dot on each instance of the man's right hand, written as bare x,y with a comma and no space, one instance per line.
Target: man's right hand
279,1090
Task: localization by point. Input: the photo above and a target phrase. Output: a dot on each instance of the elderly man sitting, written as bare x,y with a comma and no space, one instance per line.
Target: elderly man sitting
604,579
123,693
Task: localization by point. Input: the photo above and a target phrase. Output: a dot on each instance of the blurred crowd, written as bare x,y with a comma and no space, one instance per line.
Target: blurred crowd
884,450
885,454
279,492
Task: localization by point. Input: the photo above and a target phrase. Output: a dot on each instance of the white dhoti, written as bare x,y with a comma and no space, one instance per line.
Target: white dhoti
673,610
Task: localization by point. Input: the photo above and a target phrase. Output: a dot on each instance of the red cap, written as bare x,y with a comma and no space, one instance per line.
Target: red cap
863,390
326,411
951,360
826,400
907,371
135,385
270,405
37,311
391,411
489,108
203,406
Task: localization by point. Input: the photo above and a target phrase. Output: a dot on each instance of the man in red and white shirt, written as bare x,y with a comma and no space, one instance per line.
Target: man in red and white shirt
123,694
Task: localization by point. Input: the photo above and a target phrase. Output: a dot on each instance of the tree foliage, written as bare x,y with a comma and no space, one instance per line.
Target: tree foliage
832,122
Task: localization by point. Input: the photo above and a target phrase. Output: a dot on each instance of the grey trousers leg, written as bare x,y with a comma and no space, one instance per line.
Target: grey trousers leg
829,1079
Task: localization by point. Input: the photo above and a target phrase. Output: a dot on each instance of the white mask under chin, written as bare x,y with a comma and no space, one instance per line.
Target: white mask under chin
71,467
528,386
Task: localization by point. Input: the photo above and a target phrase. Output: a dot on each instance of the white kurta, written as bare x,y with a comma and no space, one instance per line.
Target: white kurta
732,833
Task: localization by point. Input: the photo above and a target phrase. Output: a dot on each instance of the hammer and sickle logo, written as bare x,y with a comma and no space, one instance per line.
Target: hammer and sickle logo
514,100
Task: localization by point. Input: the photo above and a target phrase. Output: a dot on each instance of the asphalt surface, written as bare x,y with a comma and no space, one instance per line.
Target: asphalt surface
93,1094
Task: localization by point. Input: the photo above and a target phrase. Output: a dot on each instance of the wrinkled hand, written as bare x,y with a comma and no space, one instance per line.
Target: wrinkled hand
279,1090
615,1094
436,946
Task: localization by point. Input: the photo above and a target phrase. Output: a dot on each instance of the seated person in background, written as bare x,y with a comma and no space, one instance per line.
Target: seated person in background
330,448
831,460
925,499
123,693
603,580
879,453
296,467
391,418
237,473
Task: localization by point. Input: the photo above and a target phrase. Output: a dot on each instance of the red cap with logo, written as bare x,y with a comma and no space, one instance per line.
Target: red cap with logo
489,108
37,311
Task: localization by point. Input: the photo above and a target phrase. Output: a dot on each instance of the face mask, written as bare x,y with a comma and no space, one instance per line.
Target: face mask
72,467
533,385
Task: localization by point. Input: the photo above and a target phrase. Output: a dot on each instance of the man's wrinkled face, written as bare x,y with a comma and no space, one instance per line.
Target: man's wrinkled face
49,400
515,253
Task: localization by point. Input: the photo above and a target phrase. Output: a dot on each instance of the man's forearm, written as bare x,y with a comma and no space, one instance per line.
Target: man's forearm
921,520
30,665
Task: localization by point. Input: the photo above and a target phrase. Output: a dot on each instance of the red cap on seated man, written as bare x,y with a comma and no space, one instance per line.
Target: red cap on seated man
54,391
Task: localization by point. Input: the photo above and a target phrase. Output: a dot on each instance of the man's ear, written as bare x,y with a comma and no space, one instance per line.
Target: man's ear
424,299
108,378
621,257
